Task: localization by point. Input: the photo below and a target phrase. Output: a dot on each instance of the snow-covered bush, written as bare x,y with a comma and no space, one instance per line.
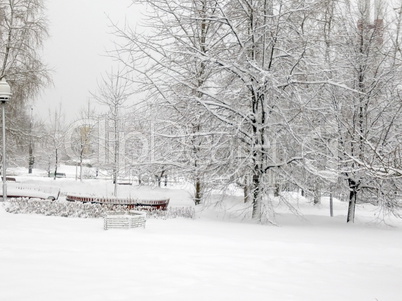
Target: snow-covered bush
84,210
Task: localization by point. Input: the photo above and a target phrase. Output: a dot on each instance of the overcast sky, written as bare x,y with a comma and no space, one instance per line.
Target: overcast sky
76,51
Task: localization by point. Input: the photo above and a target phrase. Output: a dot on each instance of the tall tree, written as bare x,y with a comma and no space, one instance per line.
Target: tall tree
167,67
233,61
54,140
262,50
23,28
362,110
113,91
81,138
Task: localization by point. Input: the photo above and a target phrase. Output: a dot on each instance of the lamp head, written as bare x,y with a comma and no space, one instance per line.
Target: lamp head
5,90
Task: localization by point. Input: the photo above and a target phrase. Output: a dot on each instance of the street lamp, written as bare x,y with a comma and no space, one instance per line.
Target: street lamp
30,150
5,95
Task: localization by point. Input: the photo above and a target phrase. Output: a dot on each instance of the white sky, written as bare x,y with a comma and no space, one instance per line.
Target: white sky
76,51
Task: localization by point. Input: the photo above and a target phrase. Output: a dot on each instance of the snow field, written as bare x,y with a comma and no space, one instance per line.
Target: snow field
219,255
51,258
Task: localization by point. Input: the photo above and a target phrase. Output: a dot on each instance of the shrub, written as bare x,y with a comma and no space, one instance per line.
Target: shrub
85,210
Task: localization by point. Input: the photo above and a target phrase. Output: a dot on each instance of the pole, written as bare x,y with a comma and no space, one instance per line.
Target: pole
31,159
116,148
4,152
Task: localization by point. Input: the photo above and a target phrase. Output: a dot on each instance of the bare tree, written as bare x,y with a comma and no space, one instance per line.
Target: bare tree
54,140
173,78
82,137
359,103
114,90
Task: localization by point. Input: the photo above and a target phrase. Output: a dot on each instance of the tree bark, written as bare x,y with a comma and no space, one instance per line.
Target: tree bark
317,193
55,165
198,192
256,198
246,190
353,186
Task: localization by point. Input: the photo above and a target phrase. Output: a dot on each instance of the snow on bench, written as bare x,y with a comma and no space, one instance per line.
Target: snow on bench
30,194
124,220
131,203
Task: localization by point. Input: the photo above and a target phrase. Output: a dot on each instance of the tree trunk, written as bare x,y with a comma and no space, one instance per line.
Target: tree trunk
198,192
159,178
81,159
317,193
277,189
246,193
256,198
353,186
246,189
30,149
114,181
31,159
116,151
55,166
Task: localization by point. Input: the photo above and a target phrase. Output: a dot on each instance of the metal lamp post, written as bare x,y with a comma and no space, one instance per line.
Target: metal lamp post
5,95
30,149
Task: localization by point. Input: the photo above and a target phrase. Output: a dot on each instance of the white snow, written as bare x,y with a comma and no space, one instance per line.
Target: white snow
219,255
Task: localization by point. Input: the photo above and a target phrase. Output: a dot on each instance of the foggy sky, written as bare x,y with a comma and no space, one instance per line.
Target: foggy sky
75,51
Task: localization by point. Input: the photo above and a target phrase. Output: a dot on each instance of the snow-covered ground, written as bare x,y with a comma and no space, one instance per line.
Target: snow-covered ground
219,255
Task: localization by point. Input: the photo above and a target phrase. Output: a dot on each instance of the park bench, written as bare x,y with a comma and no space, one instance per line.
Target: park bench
124,220
58,175
130,203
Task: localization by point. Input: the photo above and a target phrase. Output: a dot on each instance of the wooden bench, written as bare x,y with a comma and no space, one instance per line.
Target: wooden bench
130,203
124,220
58,175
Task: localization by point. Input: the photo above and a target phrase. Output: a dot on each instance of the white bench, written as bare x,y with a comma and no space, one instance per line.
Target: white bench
124,220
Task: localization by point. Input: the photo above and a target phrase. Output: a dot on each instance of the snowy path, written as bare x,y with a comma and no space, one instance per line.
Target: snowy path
51,258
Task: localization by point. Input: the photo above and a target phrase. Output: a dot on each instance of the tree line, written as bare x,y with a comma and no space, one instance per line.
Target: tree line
264,94
298,93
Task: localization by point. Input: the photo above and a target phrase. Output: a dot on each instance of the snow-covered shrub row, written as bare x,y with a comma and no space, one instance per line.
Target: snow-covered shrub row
174,212
83,210
54,208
